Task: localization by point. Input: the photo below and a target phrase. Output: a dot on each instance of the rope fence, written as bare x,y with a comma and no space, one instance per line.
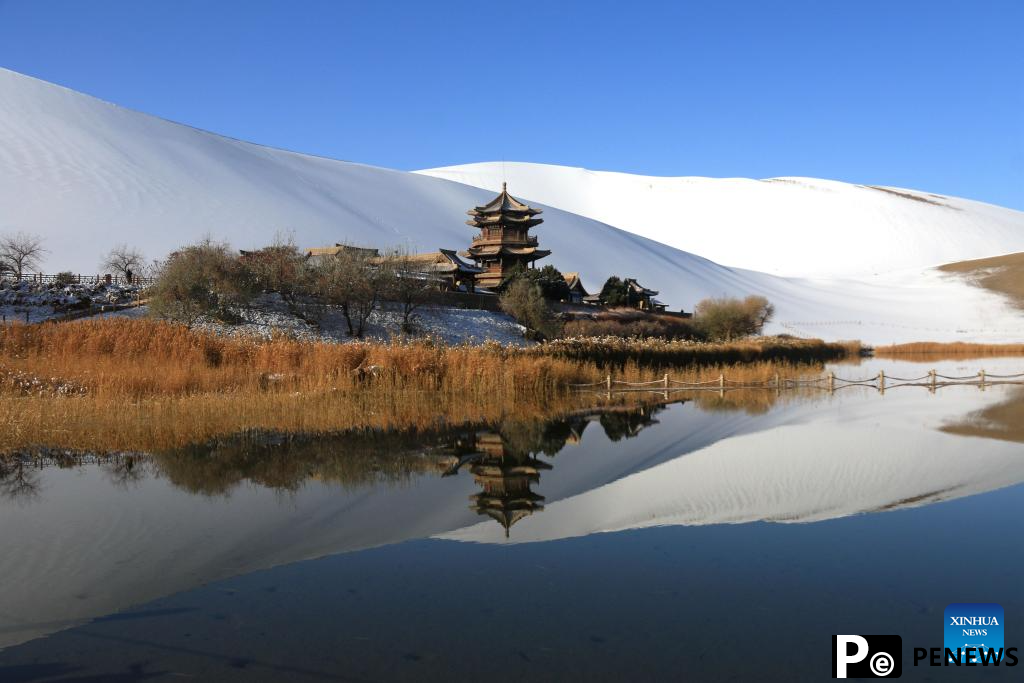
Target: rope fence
828,382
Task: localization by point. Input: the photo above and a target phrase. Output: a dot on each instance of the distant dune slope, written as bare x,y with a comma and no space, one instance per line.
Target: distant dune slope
87,174
1003,274
785,226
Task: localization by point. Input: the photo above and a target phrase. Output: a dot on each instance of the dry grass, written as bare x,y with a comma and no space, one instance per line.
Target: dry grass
137,385
133,359
1002,274
934,351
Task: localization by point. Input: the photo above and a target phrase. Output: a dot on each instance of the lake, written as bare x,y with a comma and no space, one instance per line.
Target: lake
698,536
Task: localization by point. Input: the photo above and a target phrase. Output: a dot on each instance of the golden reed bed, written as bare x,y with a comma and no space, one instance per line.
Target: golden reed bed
948,351
122,384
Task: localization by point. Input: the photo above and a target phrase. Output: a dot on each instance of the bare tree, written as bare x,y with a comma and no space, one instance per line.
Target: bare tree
409,287
21,251
124,260
18,479
354,281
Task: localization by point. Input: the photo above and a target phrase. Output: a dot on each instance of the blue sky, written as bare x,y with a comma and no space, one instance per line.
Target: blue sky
921,94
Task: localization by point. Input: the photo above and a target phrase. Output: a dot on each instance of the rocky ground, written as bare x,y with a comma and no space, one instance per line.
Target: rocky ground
35,302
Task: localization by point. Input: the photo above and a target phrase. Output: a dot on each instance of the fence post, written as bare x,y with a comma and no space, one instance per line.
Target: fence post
608,382
881,381
982,375
664,380
933,375
721,380
831,381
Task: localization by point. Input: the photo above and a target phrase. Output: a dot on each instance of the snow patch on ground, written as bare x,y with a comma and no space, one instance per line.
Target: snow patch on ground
34,302
269,315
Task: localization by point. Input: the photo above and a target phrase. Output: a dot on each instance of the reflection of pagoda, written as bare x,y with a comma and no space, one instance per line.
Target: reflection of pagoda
504,241
505,479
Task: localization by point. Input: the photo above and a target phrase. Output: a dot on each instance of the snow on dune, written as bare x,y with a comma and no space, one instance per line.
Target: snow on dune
87,174
785,226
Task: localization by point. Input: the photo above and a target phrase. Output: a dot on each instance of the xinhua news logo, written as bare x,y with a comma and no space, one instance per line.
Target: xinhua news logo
867,656
975,629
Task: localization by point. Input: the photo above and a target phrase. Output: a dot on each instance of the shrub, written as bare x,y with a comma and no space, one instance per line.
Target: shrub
549,279
632,324
525,302
65,278
200,280
727,318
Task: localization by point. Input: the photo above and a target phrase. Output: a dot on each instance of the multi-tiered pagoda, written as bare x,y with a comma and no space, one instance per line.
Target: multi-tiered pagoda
505,479
504,241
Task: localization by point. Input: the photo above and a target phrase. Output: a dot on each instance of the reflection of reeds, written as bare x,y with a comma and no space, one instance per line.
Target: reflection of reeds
934,351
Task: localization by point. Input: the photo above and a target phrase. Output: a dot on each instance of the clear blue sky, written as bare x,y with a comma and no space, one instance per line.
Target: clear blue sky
922,94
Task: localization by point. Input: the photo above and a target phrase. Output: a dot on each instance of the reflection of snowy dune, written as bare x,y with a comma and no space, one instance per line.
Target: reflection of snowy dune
86,174
867,462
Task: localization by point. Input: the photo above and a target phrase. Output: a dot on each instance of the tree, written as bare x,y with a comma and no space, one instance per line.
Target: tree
550,280
124,260
21,251
728,318
283,269
355,282
200,280
407,286
525,302
615,292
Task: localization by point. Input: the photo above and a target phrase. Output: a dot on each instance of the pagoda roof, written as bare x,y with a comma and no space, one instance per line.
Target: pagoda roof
504,203
524,220
502,249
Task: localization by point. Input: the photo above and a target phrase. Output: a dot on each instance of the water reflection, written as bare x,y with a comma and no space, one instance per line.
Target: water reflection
88,534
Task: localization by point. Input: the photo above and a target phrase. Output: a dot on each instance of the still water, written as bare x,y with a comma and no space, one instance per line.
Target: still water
700,538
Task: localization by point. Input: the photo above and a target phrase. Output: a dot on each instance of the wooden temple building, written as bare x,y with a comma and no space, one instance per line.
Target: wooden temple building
504,240
577,292
443,267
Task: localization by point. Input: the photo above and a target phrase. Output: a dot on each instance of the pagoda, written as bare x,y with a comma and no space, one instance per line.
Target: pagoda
504,241
506,479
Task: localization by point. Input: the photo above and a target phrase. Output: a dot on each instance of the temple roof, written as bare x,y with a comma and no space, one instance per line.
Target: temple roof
524,220
574,282
639,288
501,249
503,203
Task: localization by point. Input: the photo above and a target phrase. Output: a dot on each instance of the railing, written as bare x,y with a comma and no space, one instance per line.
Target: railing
78,279
530,240
828,382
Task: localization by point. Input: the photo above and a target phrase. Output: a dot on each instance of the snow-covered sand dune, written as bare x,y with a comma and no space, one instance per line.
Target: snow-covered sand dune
87,174
802,227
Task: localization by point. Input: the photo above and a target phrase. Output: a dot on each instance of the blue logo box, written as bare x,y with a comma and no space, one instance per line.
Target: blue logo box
973,624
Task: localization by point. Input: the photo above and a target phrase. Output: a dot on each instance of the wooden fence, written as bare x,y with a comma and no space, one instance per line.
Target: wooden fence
79,279
827,382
